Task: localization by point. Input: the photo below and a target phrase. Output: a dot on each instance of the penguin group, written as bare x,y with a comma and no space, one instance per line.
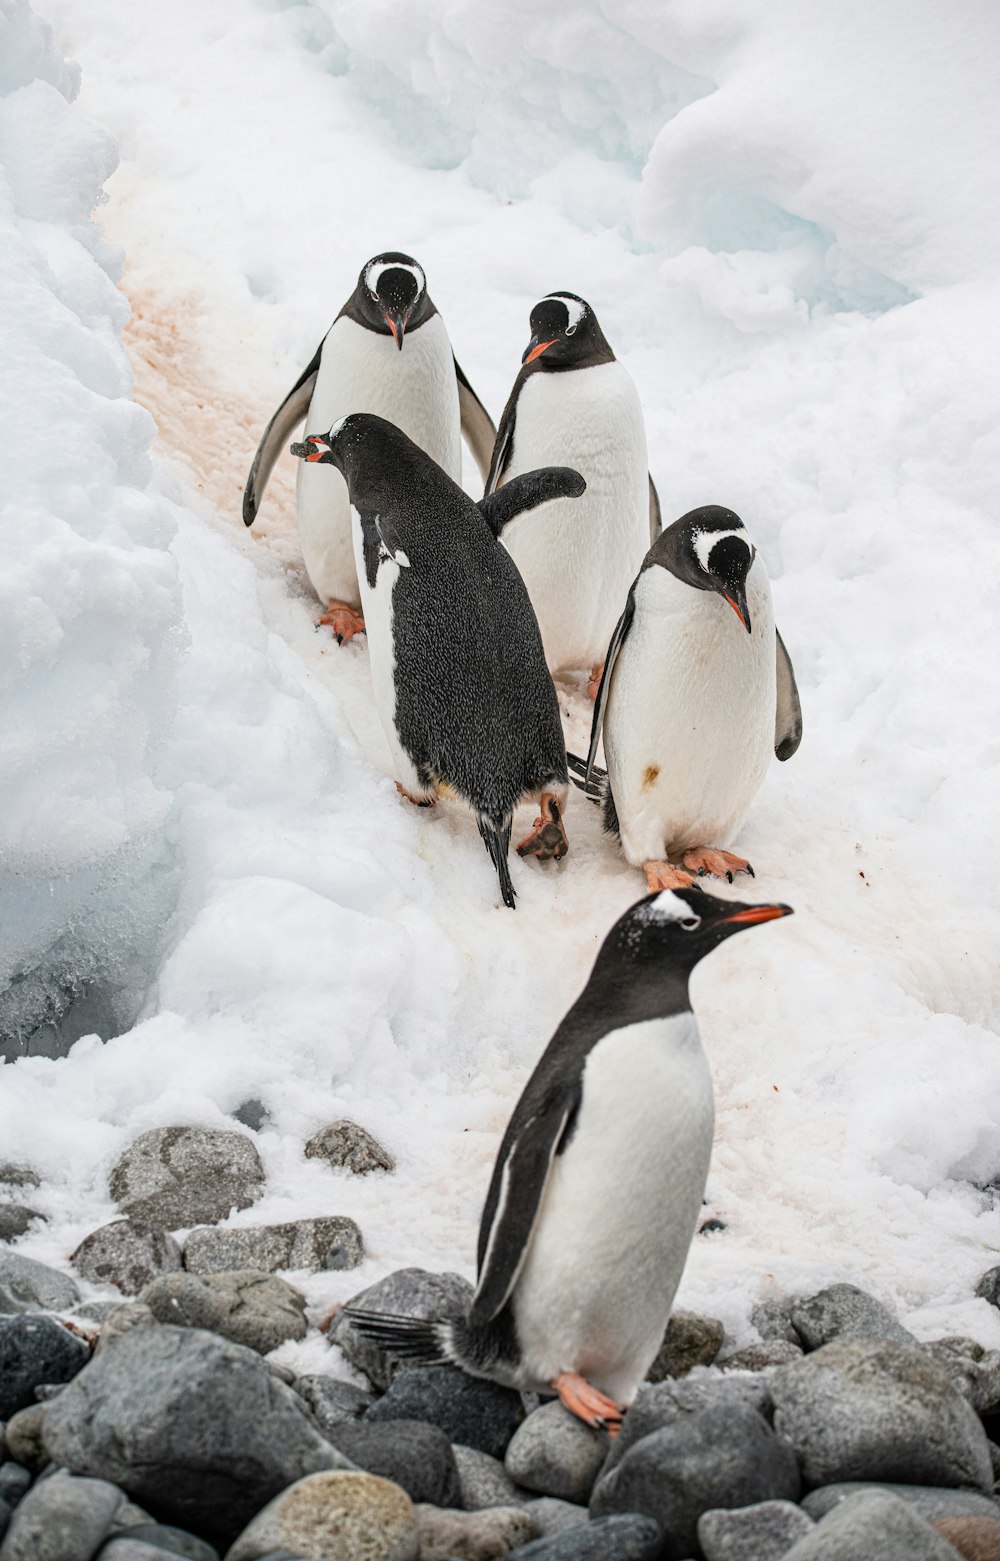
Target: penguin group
469,609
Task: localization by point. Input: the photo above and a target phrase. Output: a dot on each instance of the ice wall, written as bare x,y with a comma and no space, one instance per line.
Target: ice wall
89,605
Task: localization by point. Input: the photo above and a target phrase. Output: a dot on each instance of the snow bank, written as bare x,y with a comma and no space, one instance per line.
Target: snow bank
89,595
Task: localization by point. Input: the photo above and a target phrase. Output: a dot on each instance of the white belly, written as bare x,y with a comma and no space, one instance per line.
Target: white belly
376,605
578,557
619,1210
689,727
361,371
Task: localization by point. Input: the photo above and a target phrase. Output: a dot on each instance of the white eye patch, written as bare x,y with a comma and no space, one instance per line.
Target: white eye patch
336,427
706,541
669,906
377,267
574,308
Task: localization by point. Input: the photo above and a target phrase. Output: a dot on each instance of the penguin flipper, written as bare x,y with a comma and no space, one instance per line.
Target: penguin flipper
477,425
504,447
513,1201
655,514
600,703
788,712
285,420
527,492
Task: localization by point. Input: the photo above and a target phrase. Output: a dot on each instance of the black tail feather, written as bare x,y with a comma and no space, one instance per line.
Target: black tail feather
496,838
415,1339
592,788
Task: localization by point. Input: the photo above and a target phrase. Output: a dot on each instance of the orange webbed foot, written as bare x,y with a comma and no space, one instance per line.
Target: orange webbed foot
418,802
707,862
594,681
588,1403
548,839
664,875
344,620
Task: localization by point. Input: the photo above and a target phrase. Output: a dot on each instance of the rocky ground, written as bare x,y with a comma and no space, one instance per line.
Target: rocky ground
155,1424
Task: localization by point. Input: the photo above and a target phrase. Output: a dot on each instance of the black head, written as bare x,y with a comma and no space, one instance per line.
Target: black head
680,926
355,444
391,295
565,335
711,550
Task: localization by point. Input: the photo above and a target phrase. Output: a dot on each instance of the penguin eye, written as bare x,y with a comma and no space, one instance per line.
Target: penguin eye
689,923
569,330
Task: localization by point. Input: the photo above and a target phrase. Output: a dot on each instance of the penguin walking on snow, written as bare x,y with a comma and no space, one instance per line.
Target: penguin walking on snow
574,404
600,1177
465,698
386,352
697,690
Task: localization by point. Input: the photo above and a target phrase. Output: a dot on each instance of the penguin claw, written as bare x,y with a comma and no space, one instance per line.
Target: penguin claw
548,839
344,620
663,875
588,1403
707,862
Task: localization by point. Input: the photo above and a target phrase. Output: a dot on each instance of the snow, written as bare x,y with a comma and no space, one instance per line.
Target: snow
781,217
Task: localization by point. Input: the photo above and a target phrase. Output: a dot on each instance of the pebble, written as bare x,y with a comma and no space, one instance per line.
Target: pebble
12,1175
182,1176
555,1453
408,1292
415,1455
879,1410
34,1350
989,1286
473,1536
27,1286
123,1319
61,1519
553,1516
978,1380
24,1437
159,1538
666,1402
252,1113
978,1539
335,1516
330,1242
331,1400
346,1146
773,1320
468,1409
931,1501
208,1438
760,1533
689,1341
627,1537
251,1308
762,1356
845,1312
15,1219
724,1455
483,1481
871,1524
126,1255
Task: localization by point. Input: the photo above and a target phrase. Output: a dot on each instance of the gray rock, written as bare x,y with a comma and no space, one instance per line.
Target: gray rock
873,1523
989,1286
719,1456
130,1515
15,1479
931,1501
61,1519
876,1409
666,1402
5,1514
346,1146
773,1320
12,1175
689,1341
258,1310
959,1344
977,1380
253,1114
977,1539
180,1176
627,1537
416,1456
762,1356
96,1311
27,1286
15,1219
475,1536
555,1453
123,1319
126,1255
408,1292
24,1435
484,1482
331,1400
556,1517
760,1533
159,1539
845,1312
211,1435
340,1517
34,1350
468,1409
329,1242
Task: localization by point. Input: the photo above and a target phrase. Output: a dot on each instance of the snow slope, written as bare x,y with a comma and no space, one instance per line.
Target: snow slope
780,215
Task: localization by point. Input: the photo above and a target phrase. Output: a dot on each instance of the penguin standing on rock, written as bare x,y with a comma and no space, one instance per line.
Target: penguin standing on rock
697,690
574,404
465,698
599,1181
386,352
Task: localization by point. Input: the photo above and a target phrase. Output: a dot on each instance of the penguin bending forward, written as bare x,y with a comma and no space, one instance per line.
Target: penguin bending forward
465,698
600,1177
697,690
574,404
361,366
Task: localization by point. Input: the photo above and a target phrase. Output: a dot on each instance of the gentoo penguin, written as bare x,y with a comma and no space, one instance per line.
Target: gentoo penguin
465,698
573,404
697,690
361,366
599,1181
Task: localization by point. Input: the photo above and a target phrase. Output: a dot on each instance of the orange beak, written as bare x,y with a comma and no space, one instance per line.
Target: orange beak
536,351
756,913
